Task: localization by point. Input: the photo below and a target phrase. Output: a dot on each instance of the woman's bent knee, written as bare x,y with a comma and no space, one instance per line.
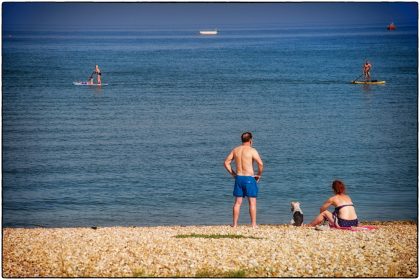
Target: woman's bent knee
326,214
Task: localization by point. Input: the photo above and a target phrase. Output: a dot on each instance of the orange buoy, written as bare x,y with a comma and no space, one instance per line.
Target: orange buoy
391,26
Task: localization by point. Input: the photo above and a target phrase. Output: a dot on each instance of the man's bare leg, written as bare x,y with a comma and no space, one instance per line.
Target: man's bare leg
253,210
236,210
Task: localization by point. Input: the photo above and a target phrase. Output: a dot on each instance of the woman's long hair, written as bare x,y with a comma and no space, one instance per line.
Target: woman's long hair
338,187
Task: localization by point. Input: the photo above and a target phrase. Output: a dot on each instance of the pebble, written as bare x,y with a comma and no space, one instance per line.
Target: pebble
279,251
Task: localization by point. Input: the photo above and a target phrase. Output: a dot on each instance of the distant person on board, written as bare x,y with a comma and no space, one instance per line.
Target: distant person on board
245,180
344,214
97,71
366,70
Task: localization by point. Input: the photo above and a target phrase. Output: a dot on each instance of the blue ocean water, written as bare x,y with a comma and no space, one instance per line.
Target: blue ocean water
148,149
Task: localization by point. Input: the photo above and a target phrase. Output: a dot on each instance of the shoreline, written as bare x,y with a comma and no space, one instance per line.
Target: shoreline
212,251
373,222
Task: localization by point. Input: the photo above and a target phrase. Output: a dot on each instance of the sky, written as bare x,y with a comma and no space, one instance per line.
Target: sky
91,15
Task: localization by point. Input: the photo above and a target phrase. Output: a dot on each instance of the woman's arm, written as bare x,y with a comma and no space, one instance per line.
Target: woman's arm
326,204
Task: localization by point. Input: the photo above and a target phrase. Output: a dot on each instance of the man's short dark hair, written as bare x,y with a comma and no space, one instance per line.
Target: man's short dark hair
246,137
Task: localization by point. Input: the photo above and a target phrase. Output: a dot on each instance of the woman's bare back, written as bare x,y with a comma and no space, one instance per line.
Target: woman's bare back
348,212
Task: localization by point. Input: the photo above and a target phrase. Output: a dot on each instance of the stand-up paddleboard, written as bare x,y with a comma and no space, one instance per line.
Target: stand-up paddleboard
374,82
87,84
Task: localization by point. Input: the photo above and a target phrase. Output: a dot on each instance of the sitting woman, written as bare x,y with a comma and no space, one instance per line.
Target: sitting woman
344,214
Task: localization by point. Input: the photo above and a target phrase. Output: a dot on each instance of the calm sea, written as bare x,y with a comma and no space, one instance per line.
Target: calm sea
148,149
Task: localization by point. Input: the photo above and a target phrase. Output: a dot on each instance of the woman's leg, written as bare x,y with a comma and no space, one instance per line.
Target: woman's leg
321,217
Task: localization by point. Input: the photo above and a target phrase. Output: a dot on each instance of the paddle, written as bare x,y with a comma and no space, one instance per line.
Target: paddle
357,78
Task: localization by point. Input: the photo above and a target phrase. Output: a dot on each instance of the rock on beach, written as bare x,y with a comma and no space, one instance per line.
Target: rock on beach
211,251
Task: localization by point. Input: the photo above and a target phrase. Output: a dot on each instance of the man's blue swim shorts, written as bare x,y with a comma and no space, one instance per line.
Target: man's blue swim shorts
245,186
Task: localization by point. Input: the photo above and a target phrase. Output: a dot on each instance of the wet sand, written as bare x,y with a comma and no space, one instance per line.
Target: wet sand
211,251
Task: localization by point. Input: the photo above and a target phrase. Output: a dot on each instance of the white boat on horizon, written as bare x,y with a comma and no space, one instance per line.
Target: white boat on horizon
208,32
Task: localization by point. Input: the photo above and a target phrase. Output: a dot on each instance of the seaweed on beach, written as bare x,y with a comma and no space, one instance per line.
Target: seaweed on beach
215,236
207,273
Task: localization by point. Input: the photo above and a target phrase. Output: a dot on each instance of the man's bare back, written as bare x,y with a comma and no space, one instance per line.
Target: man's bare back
244,156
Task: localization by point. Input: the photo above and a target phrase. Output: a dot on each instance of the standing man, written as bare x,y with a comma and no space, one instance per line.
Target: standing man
245,180
98,74
366,70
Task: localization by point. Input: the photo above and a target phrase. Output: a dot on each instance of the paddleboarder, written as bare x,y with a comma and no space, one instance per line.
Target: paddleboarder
366,70
96,72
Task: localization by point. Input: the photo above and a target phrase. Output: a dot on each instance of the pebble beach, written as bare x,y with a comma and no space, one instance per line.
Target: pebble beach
211,251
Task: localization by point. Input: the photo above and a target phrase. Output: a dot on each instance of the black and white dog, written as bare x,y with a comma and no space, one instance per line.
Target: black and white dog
297,214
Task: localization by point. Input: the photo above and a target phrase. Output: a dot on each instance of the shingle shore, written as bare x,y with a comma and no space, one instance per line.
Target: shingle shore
268,251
